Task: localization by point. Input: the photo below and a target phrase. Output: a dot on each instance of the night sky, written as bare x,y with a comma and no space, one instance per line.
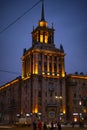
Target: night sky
69,18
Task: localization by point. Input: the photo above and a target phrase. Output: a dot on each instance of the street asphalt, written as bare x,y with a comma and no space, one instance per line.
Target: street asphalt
5,127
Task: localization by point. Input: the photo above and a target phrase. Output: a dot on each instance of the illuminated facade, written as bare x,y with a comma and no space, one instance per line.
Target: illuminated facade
10,100
43,65
43,88
76,87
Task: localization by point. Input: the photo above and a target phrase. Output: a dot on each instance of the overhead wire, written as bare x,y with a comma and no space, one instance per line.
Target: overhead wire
12,23
11,72
2,81
20,17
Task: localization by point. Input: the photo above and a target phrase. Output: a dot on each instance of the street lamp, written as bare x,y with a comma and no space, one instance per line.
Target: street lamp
80,114
59,98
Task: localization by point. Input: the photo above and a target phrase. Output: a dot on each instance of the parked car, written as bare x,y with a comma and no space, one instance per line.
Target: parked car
24,122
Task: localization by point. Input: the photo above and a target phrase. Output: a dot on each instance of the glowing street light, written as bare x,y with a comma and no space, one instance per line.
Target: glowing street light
80,103
59,98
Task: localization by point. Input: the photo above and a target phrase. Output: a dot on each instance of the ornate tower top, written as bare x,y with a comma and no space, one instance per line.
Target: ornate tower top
42,22
42,34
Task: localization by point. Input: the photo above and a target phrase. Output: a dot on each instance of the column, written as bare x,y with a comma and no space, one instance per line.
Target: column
23,67
57,64
33,62
36,63
52,65
38,36
30,65
43,64
48,65
63,70
26,67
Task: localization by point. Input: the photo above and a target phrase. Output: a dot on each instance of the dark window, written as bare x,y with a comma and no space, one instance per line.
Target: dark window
51,94
74,95
45,57
55,58
39,56
46,94
39,94
40,63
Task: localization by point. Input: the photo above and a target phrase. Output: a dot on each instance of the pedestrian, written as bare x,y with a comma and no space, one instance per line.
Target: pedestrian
73,124
59,126
40,125
52,125
45,126
34,125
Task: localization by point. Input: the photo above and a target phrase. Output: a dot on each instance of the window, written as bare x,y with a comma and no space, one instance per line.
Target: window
46,94
40,63
50,58
41,38
46,39
39,56
55,58
74,101
55,67
39,94
74,95
51,94
55,93
45,57
51,88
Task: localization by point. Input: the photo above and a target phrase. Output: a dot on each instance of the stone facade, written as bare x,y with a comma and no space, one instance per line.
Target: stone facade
76,87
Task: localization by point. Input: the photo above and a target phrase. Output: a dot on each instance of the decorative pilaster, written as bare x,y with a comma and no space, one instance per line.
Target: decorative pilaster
23,69
52,65
63,71
48,65
42,63
33,62
57,64
26,67
30,65
36,64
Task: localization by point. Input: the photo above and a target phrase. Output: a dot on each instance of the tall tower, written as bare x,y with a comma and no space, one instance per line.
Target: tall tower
43,34
43,65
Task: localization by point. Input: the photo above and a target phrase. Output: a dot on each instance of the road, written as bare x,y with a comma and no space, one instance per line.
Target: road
4,127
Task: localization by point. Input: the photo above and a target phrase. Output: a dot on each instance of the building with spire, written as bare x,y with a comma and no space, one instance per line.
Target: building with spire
43,65
44,88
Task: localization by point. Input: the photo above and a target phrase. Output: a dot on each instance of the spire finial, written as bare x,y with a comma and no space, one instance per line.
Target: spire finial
42,15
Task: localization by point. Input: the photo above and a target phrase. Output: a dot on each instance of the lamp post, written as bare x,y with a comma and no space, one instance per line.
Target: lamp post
81,119
59,99
80,111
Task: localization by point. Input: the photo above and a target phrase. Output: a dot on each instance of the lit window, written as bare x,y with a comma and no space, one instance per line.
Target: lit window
46,38
41,38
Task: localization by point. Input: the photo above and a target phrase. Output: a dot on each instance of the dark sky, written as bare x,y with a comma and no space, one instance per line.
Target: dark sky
70,22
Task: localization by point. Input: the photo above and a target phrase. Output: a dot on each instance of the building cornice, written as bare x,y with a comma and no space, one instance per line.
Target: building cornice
77,76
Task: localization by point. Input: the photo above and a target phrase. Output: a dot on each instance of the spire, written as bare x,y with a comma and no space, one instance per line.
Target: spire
42,15
61,47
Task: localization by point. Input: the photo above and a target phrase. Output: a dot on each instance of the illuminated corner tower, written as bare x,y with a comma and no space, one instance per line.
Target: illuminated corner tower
43,65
